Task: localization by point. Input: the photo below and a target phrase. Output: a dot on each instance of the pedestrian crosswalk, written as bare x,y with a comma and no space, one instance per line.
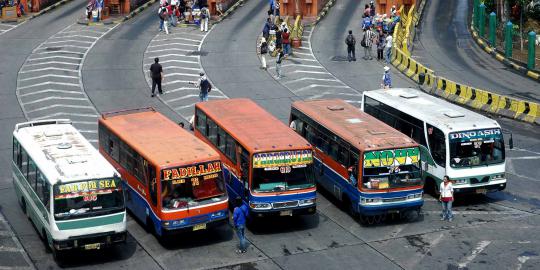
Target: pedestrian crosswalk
49,82
5,27
308,79
12,254
179,53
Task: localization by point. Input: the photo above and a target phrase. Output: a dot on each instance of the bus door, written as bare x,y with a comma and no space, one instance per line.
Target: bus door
153,187
244,168
435,167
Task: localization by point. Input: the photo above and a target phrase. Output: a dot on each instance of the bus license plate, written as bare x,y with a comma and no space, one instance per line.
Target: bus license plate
481,191
92,246
199,227
286,213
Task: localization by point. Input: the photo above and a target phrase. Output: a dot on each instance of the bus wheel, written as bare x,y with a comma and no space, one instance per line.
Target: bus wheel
350,208
58,256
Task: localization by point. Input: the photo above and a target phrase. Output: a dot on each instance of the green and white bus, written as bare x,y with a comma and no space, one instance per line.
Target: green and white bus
465,145
66,188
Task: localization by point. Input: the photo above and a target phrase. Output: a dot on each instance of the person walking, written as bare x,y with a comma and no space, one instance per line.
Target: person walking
388,47
380,46
266,29
263,49
164,16
279,59
205,16
446,197
368,43
286,41
240,215
204,87
156,73
386,78
351,43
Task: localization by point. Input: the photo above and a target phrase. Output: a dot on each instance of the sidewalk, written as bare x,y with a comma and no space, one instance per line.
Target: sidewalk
12,254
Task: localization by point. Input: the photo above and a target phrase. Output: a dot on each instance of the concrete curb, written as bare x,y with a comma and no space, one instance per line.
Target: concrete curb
230,10
135,12
324,11
49,8
501,58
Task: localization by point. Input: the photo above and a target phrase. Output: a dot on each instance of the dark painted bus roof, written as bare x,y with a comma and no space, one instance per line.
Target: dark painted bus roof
252,126
361,130
158,139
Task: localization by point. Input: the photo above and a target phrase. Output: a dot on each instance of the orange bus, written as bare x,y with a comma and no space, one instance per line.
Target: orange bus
369,166
172,180
265,163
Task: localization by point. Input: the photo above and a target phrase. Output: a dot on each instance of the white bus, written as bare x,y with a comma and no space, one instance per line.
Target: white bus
67,189
466,146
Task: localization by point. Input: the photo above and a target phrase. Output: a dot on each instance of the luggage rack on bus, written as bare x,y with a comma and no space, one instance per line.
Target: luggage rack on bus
42,123
127,111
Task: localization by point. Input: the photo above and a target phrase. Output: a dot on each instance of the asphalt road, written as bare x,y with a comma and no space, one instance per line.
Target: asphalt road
498,231
445,28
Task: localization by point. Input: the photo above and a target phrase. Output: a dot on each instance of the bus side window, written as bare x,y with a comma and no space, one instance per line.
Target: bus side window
212,131
437,145
201,122
152,184
31,175
42,189
23,165
16,152
114,147
244,167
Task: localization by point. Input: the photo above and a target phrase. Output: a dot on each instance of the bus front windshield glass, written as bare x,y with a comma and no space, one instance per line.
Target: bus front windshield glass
395,168
476,148
280,171
88,198
194,185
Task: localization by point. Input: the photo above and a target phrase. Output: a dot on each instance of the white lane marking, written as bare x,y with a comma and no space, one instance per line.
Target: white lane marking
172,61
479,248
319,86
176,38
169,50
51,91
52,98
173,44
309,78
49,75
310,72
68,40
308,54
41,47
72,36
52,57
522,260
49,68
177,81
47,83
185,106
182,74
297,65
180,67
88,131
173,55
82,30
190,96
523,158
62,106
53,115
182,89
10,249
52,62
474,212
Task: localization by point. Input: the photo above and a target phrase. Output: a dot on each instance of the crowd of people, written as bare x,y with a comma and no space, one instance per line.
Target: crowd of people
276,38
172,12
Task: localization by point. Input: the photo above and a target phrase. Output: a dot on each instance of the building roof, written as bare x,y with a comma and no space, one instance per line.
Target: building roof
61,152
157,138
435,111
361,130
252,126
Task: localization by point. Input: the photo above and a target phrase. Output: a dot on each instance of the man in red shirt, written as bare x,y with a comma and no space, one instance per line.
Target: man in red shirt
286,42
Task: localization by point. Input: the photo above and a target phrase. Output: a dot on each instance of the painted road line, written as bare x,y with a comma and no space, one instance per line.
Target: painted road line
44,91
173,44
64,114
479,248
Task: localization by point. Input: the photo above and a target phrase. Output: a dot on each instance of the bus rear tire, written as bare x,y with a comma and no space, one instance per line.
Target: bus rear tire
349,207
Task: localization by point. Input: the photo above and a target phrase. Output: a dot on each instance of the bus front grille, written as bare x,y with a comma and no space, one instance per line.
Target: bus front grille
398,199
484,179
279,205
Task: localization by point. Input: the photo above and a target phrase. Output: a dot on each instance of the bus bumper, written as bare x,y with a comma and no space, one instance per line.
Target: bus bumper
195,227
88,242
479,189
308,210
390,209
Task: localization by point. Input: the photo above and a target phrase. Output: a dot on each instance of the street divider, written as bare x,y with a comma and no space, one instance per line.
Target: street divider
450,90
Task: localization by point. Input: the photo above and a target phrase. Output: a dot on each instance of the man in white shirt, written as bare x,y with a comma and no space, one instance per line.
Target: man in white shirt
388,47
446,197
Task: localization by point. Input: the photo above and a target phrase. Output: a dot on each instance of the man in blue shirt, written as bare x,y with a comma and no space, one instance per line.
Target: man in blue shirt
239,217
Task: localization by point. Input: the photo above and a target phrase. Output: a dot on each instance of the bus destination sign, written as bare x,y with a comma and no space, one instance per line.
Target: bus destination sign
283,158
394,157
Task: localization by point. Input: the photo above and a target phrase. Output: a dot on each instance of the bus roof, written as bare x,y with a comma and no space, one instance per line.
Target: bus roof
435,111
358,128
157,138
61,152
252,126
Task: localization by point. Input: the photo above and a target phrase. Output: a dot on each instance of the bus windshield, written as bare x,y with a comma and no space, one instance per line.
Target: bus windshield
280,171
194,185
88,198
387,169
476,148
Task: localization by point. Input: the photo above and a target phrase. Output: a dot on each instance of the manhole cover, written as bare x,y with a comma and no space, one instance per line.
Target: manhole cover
201,53
339,58
53,49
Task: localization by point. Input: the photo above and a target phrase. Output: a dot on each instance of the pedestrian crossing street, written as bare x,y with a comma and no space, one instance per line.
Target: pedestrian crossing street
12,254
179,53
49,84
308,79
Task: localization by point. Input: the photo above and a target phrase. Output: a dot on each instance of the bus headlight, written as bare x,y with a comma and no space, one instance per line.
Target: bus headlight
499,176
414,196
369,200
460,181
260,206
306,202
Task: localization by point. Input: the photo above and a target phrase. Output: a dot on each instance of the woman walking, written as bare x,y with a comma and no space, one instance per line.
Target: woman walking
446,197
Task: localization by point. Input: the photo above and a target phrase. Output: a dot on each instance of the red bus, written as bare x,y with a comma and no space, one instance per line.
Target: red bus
265,162
172,180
